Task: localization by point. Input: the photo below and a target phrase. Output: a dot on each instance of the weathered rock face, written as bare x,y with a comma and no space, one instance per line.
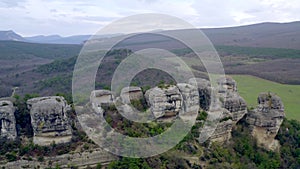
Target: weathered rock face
204,90
227,84
101,97
232,101
234,108
226,101
265,120
164,102
190,98
131,93
49,120
7,120
223,130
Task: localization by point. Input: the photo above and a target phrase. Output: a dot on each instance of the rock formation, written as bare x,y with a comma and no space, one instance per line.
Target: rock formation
190,98
49,120
223,103
131,93
226,102
232,101
101,97
204,90
265,120
164,102
7,120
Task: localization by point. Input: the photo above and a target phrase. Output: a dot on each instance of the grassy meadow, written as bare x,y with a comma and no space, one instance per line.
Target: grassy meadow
249,88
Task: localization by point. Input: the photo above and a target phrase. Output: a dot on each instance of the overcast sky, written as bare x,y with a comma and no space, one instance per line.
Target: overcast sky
73,17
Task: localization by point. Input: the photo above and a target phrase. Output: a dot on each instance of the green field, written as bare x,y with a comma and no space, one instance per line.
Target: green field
249,88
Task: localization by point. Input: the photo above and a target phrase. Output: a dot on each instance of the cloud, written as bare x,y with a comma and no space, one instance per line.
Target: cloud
11,3
31,17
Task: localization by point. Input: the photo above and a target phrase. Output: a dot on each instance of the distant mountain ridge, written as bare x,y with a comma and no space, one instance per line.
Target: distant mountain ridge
268,35
10,35
57,39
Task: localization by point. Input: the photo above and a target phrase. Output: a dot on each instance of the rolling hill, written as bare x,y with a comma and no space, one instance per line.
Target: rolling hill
269,35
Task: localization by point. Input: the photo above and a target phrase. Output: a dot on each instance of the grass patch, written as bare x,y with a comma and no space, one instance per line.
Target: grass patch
249,88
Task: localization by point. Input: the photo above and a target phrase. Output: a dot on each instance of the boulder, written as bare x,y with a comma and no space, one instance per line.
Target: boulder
7,120
265,120
49,120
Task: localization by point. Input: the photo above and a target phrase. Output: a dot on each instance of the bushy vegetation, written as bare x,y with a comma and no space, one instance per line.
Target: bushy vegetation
130,128
241,152
57,66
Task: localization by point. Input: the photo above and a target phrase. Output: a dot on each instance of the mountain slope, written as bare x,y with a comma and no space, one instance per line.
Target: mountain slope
274,35
10,35
263,35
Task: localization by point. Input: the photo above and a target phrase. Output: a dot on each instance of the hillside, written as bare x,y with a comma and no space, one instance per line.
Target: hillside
10,35
35,69
23,50
263,35
270,35
16,58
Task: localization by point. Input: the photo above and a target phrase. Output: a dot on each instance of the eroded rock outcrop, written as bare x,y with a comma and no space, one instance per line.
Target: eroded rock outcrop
204,92
164,102
131,93
7,120
101,97
265,120
232,101
49,120
223,100
190,97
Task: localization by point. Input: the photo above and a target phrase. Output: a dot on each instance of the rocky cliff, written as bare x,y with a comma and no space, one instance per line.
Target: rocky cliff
7,120
265,120
49,120
223,101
